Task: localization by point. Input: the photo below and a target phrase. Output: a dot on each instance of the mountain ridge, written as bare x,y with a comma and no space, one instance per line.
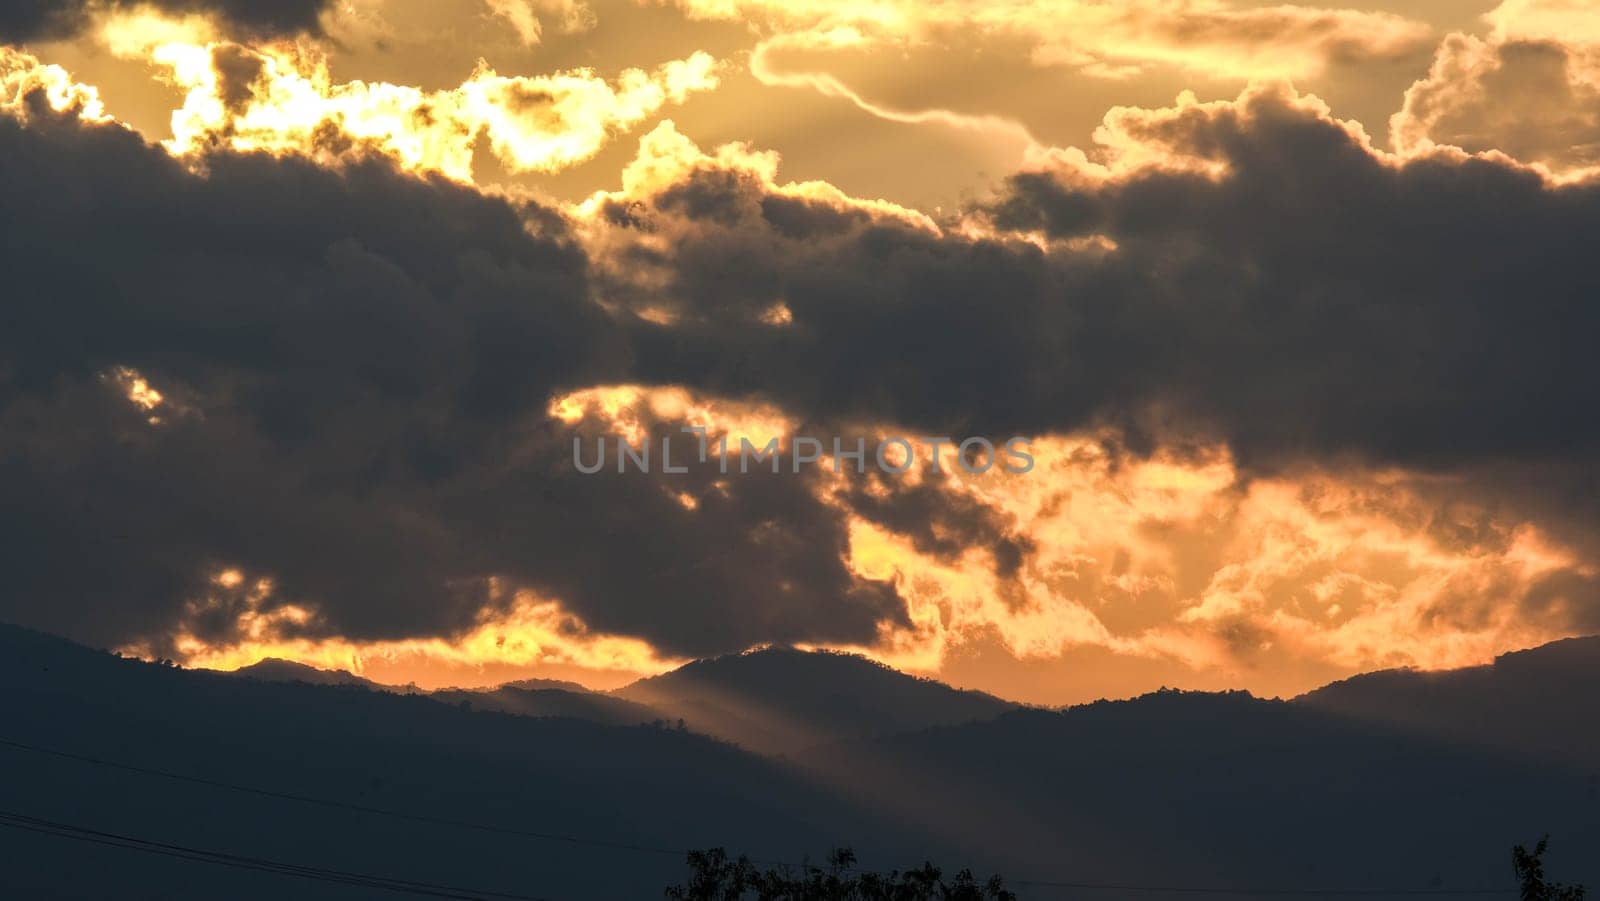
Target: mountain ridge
778,700
1174,787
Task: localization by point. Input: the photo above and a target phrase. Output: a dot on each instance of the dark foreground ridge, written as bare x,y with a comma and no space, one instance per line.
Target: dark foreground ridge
1161,795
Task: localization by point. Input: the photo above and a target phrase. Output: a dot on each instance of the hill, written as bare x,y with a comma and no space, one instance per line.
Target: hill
1543,702
1170,789
1190,788
641,794
273,669
782,700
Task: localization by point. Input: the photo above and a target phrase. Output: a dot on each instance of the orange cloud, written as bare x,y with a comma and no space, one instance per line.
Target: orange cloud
1110,41
1174,557
23,75
1104,39
282,98
1132,141
1182,558
625,409
531,635
666,156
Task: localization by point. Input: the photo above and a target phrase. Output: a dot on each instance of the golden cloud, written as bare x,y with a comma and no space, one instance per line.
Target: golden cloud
1530,90
22,75
1133,141
282,98
524,16
531,634
1104,39
1181,556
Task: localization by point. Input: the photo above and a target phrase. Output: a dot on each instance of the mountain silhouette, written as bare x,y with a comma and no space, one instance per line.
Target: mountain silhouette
274,669
1542,702
1187,789
643,795
1226,789
782,700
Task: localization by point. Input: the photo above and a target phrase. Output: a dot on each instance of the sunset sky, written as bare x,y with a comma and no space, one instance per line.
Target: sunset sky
305,302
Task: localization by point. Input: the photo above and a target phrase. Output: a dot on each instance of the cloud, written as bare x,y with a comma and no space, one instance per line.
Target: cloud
1186,558
284,100
254,328
1105,39
355,385
523,16
1531,89
1535,20
831,48
1251,271
343,395
528,633
998,129
25,81
43,20
1251,275
1313,296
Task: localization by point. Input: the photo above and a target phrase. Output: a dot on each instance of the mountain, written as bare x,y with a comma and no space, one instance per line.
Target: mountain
782,700
557,807
546,702
1203,789
1543,702
273,669
1180,789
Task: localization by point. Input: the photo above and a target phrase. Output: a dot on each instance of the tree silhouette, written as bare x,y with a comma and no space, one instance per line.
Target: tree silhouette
715,877
1530,871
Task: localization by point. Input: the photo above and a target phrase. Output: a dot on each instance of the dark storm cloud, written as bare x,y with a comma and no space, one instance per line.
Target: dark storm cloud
356,366
1319,301
43,20
1316,305
939,522
1315,302
890,322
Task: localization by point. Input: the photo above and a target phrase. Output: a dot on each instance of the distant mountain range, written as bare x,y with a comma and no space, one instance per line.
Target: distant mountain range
774,701
1395,780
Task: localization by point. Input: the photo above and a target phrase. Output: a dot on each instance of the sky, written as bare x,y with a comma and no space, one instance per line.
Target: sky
307,302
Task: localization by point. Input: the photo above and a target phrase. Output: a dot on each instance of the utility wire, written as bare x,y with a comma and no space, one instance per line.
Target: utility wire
258,864
681,853
344,805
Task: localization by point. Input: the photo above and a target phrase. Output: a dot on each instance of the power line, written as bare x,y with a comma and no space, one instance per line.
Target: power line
344,805
258,864
681,853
